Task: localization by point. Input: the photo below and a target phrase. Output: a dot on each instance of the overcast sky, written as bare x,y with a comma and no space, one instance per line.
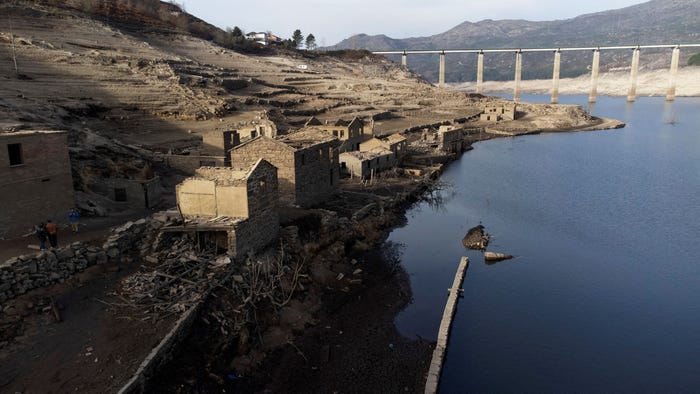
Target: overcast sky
332,21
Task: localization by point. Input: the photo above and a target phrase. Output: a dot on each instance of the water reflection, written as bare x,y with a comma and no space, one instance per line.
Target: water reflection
670,114
604,297
438,195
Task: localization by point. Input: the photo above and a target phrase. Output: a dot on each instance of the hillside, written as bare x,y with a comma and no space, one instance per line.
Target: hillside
124,85
654,22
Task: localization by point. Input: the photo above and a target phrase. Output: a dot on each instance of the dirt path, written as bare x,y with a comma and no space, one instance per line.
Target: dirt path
93,349
90,229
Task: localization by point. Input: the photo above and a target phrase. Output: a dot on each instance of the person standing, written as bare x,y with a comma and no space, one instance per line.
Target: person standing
41,234
52,232
73,216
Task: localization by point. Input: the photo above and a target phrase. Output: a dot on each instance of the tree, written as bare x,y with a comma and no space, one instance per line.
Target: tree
310,42
236,32
297,38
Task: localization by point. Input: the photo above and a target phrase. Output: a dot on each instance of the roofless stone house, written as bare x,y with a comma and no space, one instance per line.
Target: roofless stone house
306,161
229,208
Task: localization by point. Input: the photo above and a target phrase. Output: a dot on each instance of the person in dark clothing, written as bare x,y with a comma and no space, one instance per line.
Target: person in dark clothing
52,232
41,234
73,216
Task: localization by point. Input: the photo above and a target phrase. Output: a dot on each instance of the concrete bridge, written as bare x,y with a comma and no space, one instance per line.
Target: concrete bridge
631,93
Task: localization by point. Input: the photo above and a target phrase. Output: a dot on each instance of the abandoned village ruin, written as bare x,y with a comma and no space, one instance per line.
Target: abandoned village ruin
238,200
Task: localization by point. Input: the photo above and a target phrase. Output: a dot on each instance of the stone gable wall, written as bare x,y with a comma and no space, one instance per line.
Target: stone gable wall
277,154
317,173
262,226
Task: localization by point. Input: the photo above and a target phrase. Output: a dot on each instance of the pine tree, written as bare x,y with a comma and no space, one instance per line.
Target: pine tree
297,38
310,42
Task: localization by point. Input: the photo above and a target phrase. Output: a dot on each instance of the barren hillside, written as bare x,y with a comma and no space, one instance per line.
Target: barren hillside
108,81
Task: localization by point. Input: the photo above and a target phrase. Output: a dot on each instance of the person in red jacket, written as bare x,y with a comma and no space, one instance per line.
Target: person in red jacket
52,232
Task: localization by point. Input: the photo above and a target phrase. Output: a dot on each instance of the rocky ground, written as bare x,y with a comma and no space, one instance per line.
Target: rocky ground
127,91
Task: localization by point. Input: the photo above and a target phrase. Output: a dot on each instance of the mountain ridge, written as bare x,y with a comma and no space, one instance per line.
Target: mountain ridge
653,22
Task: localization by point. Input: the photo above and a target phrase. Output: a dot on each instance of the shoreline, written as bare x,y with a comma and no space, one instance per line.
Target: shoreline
353,344
652,83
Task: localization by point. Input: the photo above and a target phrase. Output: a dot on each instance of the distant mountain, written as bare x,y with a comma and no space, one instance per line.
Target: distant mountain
653,22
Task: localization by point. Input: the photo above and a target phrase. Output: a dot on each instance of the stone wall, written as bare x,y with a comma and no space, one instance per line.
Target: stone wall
21,274
131,192
307,176
262,226
317,173
361,164
276,153
450,139
188,164
42,179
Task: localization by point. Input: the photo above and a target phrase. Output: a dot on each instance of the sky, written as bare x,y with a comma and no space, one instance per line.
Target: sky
332,21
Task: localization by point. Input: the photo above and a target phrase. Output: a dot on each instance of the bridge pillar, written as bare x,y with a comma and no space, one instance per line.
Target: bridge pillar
555,76
671,94
441,80
594,76
403,58
632,92
480,73
518,72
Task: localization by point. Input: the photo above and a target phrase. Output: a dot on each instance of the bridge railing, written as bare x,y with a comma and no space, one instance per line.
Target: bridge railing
595,66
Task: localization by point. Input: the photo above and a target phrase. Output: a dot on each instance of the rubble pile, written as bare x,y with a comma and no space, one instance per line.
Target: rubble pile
175,279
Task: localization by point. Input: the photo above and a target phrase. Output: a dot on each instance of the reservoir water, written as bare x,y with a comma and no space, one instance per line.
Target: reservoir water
604,294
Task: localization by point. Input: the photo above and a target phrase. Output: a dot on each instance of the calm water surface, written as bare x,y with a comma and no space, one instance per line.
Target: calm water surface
605,292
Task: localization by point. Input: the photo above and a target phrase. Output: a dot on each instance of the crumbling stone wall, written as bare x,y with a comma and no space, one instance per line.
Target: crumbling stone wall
361,164
278,154
262,226
189,164
21,274
307,176
450,139
317,171
134,192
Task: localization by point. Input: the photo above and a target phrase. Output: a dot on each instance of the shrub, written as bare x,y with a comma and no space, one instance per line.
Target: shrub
694,60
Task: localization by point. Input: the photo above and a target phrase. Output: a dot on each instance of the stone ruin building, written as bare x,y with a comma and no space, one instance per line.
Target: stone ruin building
36,183
307,163
498,113
231,209
350,134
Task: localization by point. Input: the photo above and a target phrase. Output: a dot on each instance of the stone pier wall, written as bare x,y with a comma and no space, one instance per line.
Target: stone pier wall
21,274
